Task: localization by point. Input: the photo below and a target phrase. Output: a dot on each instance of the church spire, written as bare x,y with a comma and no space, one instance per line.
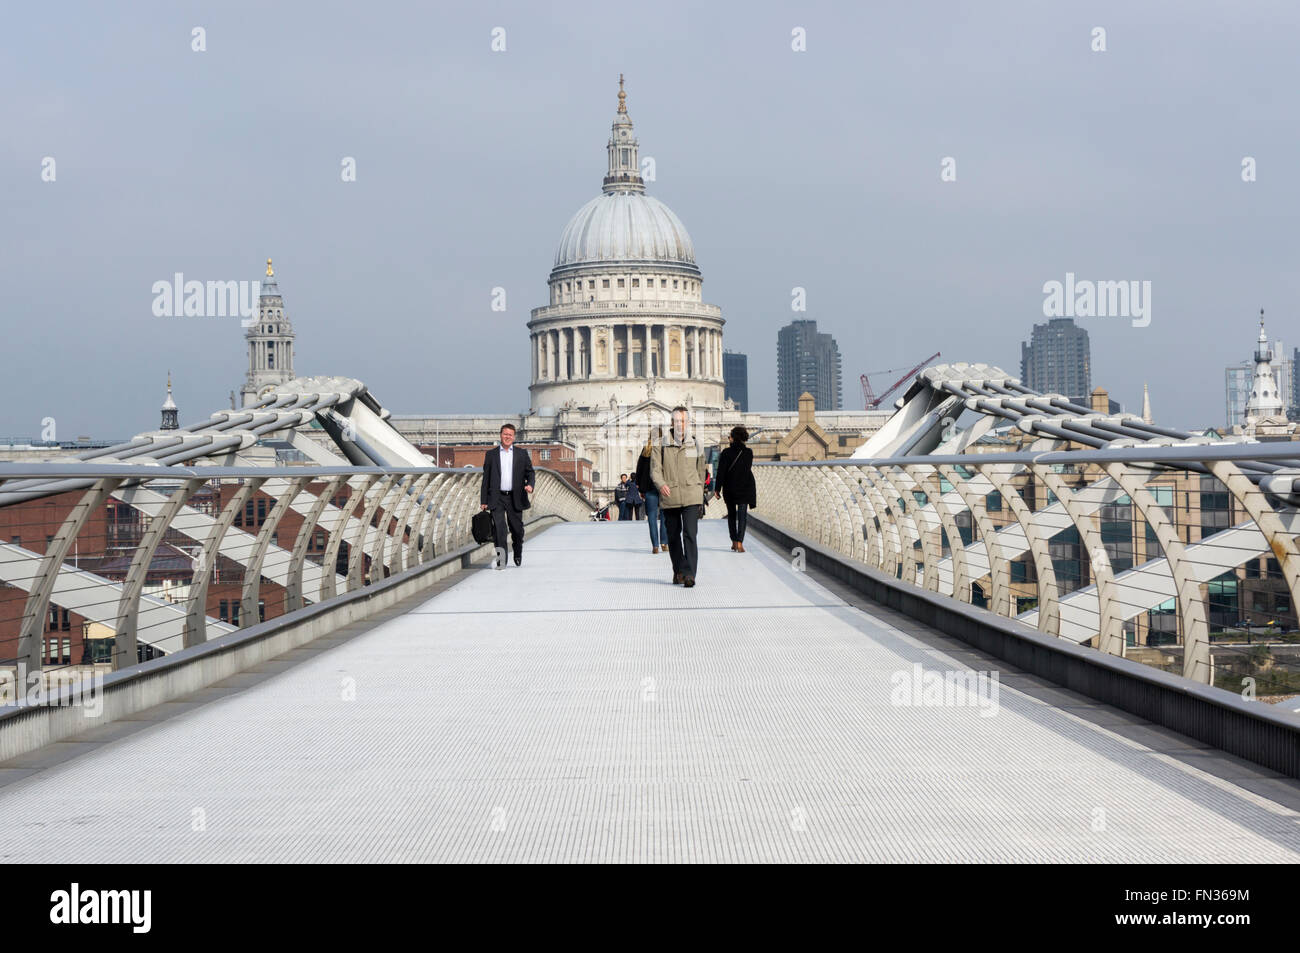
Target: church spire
1265,400
624,165
169,411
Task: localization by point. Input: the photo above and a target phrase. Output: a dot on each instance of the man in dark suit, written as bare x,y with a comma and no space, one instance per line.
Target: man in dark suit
507,484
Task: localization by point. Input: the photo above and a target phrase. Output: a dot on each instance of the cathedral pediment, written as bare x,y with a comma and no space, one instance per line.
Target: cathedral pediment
636,414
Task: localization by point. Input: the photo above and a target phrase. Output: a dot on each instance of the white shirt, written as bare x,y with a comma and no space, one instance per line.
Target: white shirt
507,469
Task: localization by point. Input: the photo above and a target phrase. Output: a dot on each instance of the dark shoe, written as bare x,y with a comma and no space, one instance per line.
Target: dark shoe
688,581
653,550
677,578
519,558
733,545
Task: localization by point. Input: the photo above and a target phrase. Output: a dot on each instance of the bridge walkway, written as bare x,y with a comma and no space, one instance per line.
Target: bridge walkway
582,708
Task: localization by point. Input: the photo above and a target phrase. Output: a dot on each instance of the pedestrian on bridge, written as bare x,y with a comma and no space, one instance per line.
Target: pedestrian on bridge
620,496
677,469
736,484
507,484
653,511
633,501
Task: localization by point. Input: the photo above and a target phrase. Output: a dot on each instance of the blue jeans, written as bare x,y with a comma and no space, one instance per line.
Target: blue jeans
655,517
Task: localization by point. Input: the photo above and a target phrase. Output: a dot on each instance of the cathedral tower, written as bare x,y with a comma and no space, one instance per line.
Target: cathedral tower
270,343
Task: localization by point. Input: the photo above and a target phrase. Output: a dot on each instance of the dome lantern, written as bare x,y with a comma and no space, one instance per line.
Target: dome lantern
624,173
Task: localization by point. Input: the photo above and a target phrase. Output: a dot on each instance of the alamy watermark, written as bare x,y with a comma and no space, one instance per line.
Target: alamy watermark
206,299
81,905
1082,298
54,689
964,688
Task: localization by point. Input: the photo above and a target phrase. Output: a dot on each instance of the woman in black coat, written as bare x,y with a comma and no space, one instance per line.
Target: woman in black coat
736,484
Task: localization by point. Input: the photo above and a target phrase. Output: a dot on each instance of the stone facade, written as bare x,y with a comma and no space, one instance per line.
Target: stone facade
270,343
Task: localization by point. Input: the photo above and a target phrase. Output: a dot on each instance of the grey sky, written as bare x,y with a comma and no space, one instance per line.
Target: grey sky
817,169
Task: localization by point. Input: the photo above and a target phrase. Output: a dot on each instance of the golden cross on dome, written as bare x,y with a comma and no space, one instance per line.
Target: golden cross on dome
269,272
622,96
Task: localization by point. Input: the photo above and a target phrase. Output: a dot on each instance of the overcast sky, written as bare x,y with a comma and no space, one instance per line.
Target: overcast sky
818,169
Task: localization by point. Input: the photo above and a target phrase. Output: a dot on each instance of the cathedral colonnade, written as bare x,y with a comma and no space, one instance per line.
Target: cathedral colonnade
584,352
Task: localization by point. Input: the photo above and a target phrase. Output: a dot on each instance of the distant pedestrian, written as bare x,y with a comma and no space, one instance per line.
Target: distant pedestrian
650,493
620,496
633,501
678,469
736,484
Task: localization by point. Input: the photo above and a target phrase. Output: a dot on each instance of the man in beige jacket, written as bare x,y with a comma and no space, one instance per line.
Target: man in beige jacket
677,468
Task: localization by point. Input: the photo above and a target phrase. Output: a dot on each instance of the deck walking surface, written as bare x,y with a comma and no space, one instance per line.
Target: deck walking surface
582,708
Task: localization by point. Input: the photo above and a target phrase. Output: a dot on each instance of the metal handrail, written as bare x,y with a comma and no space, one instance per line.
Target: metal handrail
893,512
426,511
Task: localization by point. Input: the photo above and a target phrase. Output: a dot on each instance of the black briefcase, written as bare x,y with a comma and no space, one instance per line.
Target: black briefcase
481,526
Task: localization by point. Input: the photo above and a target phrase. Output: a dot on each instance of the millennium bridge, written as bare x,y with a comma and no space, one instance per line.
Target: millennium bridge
1010,628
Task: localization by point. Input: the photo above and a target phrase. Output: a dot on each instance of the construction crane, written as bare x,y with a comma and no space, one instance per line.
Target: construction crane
870,401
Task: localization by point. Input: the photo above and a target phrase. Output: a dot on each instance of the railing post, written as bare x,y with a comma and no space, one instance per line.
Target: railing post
420,519
1049,596
999,576
253,573
432,507
125,643
357,550
1110,625
889,529
1191,608
293,592
38,599
1251,498
395,557
961,581
927,513
460,496
328,585
196,624
908,516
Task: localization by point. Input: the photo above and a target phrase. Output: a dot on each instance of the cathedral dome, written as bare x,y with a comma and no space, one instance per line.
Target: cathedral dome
625,226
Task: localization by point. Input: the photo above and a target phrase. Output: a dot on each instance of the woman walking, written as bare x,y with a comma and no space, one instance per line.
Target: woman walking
650,493
736,484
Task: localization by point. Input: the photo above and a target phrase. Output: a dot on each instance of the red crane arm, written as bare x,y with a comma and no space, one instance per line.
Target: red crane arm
902,380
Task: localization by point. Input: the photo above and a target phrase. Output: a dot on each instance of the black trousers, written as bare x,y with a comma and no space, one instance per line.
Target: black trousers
682,522
507,513
736,513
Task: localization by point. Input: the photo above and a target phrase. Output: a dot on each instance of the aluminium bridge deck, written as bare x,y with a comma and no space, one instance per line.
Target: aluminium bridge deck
581,708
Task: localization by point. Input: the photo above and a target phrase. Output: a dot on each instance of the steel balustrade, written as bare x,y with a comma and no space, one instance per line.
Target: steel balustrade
887,513
425,512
